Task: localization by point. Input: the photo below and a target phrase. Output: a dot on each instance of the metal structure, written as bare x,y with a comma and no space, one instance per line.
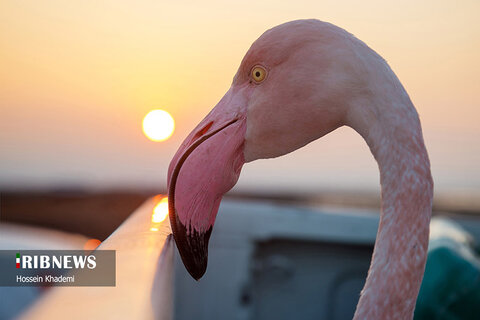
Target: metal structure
144,259
266,261
270,261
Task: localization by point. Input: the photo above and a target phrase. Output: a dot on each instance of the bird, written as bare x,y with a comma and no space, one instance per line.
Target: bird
297,82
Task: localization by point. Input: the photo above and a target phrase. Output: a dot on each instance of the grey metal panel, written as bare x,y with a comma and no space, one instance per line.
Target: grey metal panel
308,280
330,252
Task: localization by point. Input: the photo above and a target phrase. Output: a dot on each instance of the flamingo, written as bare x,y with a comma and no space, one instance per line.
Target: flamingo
297,82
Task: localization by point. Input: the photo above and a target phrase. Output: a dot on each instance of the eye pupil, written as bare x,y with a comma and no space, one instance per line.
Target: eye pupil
258,74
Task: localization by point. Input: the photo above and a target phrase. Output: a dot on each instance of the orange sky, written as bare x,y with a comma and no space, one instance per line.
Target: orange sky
76,79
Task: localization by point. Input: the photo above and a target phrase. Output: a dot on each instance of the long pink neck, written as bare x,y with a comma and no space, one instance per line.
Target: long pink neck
398,262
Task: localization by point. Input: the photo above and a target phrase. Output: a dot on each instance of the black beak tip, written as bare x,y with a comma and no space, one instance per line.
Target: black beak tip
197,272
193,248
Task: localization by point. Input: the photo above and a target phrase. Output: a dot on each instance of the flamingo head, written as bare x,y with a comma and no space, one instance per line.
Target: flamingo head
295,84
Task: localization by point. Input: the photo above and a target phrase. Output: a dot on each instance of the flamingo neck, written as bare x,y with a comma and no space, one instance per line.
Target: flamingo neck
398,263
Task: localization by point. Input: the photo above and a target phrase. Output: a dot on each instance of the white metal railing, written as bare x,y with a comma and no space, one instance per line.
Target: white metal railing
144,276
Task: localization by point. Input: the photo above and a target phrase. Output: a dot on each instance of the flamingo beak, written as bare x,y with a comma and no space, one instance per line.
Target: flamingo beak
205,167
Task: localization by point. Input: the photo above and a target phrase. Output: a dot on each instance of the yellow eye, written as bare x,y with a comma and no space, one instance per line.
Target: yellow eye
258,74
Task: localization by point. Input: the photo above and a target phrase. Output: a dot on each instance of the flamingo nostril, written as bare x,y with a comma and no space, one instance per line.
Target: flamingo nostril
202,131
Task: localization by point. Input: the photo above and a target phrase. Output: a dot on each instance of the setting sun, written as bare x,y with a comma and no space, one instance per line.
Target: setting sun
158,125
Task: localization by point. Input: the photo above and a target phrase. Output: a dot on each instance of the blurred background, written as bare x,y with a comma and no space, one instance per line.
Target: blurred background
78,78
80,149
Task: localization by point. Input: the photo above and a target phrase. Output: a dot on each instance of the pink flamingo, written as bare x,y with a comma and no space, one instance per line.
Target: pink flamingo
298,82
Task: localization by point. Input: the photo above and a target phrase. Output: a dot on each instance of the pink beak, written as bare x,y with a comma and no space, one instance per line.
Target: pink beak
205,167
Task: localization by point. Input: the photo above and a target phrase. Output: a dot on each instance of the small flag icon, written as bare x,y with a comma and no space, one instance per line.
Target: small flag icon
18,260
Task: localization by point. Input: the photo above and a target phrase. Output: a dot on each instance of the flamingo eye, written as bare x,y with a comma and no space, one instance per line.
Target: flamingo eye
258,74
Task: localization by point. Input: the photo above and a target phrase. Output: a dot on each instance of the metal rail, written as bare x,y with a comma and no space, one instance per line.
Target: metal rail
144,277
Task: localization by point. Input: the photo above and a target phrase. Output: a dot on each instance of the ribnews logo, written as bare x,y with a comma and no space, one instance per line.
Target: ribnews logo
55,262
57,268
